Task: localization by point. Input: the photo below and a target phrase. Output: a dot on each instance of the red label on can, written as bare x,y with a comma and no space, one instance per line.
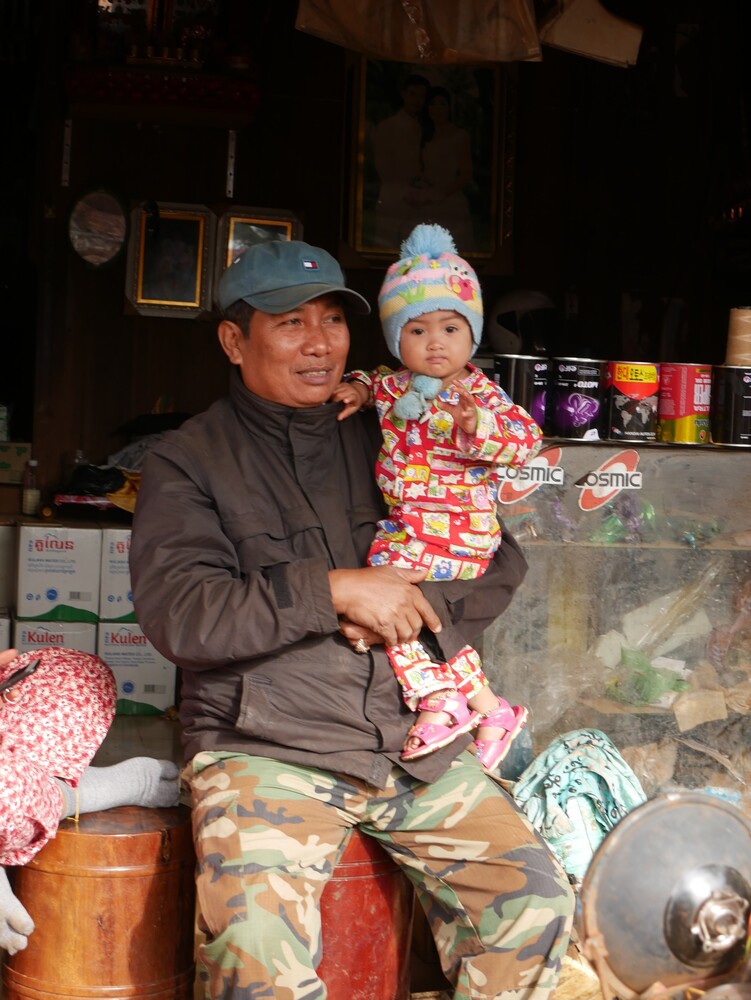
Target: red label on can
633,379
685,391
684,403
632,388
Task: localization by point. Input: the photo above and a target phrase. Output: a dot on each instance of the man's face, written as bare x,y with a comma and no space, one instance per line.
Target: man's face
295,358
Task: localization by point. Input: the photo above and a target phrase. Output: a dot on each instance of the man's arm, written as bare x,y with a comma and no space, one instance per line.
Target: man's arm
200,610
193,600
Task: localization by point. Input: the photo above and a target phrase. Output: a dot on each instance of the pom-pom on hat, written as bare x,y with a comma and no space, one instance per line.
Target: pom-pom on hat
430,276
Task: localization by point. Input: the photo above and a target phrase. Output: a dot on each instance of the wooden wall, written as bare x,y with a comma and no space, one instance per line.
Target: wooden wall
99,365
619,174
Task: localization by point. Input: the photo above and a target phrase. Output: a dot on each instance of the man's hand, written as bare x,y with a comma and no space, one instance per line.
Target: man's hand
461,406
15,923
385,600
354,395
359,637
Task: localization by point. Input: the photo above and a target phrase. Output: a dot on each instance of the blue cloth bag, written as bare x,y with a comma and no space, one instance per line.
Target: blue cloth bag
574,793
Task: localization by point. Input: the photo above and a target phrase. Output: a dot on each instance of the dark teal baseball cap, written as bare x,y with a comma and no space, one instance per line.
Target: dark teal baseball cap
283,274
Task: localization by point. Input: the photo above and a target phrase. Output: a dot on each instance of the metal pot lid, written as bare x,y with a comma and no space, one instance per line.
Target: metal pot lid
668,891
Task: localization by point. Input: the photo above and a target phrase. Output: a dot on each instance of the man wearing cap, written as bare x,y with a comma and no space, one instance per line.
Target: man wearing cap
251,531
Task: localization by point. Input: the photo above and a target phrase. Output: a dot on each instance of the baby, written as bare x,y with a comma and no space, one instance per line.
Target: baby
446,428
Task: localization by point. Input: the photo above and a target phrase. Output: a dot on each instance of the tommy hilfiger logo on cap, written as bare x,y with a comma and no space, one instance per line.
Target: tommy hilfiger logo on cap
310,265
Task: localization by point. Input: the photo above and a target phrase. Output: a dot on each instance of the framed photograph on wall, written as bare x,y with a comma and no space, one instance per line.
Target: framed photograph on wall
433,144
243,227
170,258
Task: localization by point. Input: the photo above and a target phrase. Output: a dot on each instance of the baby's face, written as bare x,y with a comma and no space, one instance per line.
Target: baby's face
438,343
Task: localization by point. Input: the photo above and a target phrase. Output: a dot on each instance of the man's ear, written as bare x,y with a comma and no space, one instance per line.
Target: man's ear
230,336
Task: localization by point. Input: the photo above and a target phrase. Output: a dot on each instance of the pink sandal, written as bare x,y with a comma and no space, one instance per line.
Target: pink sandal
491,752
433,736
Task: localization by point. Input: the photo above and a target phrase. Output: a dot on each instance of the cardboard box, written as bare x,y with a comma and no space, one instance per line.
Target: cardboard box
115,594
58,572
61,635
8,562
145,679
11,498
13,458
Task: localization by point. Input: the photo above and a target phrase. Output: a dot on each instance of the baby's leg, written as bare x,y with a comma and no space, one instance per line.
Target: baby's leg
497,731
418,675
429,687
443,716
500,723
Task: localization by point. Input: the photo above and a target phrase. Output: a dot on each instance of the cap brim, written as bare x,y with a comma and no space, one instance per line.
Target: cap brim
283,299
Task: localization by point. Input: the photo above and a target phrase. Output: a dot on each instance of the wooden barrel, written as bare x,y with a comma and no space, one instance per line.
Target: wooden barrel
113,900
366,916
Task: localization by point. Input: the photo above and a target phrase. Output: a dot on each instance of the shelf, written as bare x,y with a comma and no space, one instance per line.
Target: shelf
626,545
658,445
162,93
672,591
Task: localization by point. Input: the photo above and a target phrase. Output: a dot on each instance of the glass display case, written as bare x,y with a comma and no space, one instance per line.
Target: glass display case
635,616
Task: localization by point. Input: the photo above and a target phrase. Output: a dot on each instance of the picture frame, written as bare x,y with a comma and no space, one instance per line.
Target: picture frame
243,226
170,259
448,158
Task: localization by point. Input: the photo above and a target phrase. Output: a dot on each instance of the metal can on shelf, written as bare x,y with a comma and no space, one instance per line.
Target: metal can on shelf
631,389
683,408
731,405
576,397
525,378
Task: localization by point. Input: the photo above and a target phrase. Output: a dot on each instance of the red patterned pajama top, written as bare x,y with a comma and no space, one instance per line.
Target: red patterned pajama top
440,483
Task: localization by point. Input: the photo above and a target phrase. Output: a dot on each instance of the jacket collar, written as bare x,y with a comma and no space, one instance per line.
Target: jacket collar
275,421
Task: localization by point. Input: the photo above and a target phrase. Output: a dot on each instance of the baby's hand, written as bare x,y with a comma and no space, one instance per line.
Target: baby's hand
461,405
354,395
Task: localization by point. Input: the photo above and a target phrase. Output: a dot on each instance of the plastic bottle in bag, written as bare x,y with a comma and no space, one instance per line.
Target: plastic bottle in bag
30,496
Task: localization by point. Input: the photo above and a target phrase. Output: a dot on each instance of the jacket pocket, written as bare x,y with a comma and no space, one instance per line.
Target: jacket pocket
306,697
263,536
256,715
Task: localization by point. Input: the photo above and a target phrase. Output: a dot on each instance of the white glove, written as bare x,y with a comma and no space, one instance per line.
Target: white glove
15,922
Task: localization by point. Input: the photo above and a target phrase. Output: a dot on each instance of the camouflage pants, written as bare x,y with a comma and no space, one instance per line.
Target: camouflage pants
269,834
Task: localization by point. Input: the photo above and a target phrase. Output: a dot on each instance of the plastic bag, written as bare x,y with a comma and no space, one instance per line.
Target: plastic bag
425,31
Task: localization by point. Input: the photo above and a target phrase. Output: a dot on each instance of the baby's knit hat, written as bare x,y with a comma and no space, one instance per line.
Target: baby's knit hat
430,275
